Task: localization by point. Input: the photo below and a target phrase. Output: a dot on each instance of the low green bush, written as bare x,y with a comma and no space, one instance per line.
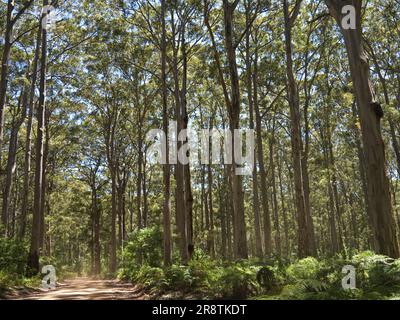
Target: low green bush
376,272
13,256
150,277
142,248
377,277
239,281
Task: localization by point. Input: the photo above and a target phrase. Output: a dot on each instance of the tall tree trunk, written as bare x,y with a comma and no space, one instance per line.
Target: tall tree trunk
188,196
331,203
96,232
210,230
12,157
305,245
4,68
335,191
360,153
232,102
260,161
145,197
240,237
166,167
307,85
8,34
14,207
44,180
379,200
230,213
121,190
139,182
382,79
203,203
33,259
179,167
123,207
114,209
284,212
274,195
222,209
256,202
28,142
113,165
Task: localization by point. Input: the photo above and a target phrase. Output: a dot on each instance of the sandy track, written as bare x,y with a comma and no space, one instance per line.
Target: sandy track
87,289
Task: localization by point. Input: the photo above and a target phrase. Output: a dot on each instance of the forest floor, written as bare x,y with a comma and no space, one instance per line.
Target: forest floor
83,289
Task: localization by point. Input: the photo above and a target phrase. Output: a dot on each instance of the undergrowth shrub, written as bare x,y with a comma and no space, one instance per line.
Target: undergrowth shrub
205,272
13,256
142,248
239,281
150,277
377,277
376,271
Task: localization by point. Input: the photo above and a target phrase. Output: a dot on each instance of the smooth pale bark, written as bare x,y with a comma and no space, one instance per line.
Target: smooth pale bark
380,211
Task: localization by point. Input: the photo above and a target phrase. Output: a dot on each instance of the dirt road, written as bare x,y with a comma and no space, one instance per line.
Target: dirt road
86,289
